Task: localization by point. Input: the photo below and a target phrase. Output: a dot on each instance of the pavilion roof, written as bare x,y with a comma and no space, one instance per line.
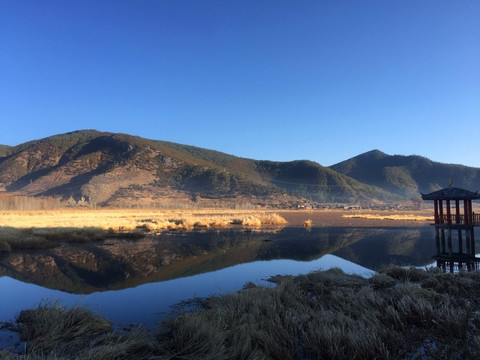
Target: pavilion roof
451,193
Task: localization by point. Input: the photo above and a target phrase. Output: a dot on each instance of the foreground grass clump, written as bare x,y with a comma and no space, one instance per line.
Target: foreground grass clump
55,332
330,315
397,314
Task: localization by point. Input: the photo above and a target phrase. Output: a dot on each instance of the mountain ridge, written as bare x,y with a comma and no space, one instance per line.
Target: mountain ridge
407,175
115,169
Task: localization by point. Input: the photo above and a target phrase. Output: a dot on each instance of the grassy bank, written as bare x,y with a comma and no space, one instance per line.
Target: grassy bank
41,229
397,314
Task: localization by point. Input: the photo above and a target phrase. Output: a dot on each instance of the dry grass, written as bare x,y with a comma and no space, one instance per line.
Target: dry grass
398,314
42,229
51,331
308,223
330,315
396,217
119,220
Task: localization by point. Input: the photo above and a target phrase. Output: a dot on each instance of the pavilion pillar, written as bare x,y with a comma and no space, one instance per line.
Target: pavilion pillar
449,216
457,211
470,212
466,212
440,210
435,207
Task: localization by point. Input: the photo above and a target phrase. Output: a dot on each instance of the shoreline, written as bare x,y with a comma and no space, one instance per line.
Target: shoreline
23,230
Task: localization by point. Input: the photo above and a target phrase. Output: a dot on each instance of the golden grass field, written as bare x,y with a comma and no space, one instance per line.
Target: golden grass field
396,217
45,228
127,219
161,219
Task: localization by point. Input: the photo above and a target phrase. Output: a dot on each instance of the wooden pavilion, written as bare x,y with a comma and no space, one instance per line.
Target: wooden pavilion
455,224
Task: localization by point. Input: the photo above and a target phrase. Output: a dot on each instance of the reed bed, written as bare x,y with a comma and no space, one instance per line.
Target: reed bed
396,217
396,314
42,229
131,219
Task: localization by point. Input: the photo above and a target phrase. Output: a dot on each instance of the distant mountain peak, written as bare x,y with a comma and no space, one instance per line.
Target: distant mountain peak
406,175
377,154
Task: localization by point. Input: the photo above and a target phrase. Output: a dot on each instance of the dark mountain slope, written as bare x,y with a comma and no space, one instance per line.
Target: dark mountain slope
309,179
407,175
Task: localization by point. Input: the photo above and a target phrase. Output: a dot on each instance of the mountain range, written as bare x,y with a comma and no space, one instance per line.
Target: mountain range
110,169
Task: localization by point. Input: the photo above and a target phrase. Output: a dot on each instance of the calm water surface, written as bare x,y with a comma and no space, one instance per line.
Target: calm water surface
140,281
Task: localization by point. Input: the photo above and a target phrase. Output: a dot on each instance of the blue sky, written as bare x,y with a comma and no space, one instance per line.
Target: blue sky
276,80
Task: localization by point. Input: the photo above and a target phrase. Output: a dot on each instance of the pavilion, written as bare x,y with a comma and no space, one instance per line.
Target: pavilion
455,223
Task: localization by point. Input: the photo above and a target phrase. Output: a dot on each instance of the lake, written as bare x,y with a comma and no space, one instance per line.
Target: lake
140,281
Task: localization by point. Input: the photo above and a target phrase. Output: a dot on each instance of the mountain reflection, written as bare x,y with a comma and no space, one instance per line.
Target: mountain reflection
118,264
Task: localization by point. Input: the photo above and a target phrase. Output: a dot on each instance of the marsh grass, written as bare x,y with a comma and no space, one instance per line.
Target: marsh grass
44,229
128,219
397,314
395,217
336,316
55,332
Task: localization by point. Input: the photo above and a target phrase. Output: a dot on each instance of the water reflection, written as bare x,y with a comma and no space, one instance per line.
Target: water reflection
149,303
138,280
456,251
119,264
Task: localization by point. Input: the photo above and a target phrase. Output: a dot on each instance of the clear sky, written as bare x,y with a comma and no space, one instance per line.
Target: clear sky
263,79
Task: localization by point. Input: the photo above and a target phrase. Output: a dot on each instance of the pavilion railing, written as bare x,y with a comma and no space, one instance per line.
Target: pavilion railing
474,219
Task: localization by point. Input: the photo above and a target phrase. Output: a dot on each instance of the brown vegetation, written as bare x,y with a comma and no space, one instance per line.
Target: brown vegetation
55,332
40,229
397,314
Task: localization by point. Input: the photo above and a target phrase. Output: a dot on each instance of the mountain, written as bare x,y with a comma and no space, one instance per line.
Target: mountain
311,180
89,167
407,176
104,168
4,149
